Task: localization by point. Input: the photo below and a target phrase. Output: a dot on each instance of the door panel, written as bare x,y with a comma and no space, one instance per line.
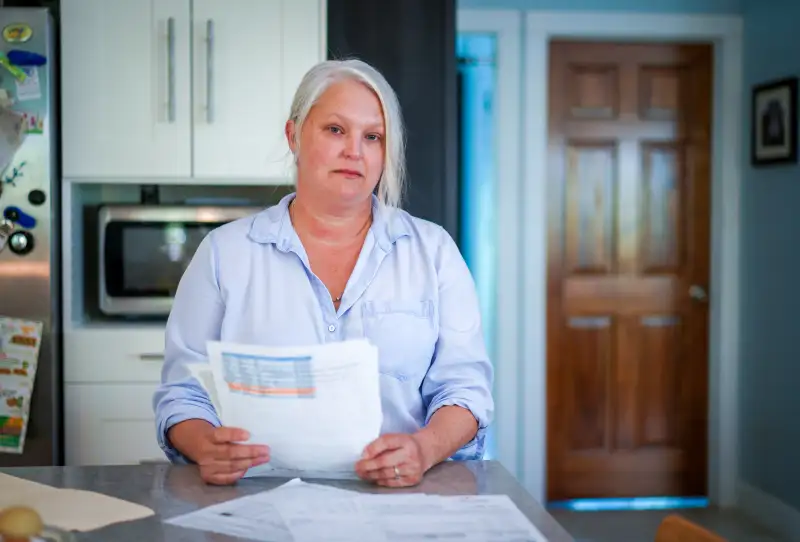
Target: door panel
628,236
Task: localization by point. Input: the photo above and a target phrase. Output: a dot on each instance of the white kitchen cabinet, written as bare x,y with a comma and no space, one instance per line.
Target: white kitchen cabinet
110,375
110,424
121,114
114,354
179,89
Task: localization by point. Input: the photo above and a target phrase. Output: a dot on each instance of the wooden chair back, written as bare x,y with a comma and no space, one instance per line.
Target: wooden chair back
676,528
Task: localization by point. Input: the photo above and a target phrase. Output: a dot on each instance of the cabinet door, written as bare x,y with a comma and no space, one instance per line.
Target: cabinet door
110,424
304,30
125,76
239,112
113,354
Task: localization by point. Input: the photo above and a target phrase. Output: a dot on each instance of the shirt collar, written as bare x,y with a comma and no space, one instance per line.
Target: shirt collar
273,225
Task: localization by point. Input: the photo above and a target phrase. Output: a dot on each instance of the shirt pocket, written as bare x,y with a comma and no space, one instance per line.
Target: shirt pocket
405,334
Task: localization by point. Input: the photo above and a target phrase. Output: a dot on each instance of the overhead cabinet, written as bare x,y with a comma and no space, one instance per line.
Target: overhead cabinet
172,89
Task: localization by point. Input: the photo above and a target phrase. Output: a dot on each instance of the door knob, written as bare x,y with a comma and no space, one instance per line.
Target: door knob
698,293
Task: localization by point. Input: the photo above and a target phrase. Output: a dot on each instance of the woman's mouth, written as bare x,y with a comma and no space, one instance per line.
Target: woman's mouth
349,173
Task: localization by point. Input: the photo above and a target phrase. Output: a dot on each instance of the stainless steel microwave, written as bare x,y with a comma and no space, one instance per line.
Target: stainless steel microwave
145,249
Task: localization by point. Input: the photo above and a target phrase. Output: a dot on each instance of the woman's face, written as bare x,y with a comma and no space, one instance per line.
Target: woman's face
341,145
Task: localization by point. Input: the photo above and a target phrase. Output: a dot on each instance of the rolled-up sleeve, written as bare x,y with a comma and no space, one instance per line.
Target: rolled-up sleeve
461,373
195,318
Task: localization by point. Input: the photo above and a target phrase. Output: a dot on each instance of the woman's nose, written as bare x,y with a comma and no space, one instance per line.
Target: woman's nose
353,146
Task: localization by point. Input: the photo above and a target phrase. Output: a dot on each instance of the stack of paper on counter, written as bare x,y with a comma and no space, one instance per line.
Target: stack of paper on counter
301,512
316,407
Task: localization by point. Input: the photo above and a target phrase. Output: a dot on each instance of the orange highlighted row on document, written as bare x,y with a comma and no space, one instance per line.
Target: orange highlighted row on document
271,391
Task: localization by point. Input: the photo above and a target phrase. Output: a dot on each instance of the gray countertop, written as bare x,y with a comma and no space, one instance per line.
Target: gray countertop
172,490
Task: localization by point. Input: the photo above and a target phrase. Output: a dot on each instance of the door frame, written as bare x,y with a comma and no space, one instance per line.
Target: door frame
521,389
506,25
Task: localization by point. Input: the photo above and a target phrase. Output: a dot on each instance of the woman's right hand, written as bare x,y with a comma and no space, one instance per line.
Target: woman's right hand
217,450
222,460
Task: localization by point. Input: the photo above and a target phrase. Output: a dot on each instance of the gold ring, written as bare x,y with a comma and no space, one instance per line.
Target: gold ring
396,473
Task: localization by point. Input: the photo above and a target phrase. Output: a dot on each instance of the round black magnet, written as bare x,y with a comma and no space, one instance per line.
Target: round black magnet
36,197
20,242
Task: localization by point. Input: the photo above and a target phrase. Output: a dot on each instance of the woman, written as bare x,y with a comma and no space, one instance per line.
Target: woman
333,261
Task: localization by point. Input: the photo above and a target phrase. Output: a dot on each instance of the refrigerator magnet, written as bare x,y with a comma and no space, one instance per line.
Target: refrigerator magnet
17,215
17,72
18,57
17,33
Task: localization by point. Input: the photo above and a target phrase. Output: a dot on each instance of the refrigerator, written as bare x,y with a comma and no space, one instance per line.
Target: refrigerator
30,294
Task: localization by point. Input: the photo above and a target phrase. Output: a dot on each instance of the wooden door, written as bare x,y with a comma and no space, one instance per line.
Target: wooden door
628,268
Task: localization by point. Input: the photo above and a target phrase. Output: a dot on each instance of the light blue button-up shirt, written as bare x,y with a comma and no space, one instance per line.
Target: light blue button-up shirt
410,293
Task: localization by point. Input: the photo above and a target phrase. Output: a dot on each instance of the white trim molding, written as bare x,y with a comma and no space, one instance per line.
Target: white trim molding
725,32
506,25
769,511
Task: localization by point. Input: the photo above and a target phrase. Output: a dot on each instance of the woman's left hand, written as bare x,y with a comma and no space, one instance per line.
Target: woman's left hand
393,460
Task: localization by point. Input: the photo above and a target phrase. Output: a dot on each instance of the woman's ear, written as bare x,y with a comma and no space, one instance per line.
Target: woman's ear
291,136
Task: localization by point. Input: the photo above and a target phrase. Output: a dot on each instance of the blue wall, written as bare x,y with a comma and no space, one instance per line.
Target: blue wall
770,272
640,6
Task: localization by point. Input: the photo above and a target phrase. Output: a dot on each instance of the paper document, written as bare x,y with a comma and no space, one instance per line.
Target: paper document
301,512
20,342
470,518
30,88
68,509
316,407
12,135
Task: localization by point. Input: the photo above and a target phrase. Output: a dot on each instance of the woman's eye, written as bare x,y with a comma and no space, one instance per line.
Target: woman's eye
335,130
374,137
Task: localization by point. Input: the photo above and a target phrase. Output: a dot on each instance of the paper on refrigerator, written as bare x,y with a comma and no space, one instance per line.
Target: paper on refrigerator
316,407
20,341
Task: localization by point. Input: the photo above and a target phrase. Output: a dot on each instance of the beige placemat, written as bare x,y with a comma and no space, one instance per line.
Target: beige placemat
68,509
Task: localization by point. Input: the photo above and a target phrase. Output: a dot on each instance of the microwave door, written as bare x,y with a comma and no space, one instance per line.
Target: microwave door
145,249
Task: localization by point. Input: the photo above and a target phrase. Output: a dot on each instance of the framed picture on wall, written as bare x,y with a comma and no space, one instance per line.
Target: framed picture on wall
774,122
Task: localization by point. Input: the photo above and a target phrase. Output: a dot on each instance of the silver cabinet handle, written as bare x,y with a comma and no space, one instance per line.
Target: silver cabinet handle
171,69
210,70
151,357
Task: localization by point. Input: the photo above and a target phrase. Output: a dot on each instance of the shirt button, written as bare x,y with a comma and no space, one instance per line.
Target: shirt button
331,328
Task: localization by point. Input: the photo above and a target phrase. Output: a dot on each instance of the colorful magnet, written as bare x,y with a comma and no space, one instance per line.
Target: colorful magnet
18,73
18,57
16,173
17,33
34,123
15,214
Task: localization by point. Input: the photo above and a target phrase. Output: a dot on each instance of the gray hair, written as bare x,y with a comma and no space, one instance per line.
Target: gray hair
323,75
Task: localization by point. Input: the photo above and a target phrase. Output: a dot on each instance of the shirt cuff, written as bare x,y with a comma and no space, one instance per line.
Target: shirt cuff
178,413
475,448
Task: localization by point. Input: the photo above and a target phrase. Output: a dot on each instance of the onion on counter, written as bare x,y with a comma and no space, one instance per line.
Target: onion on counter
20,524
